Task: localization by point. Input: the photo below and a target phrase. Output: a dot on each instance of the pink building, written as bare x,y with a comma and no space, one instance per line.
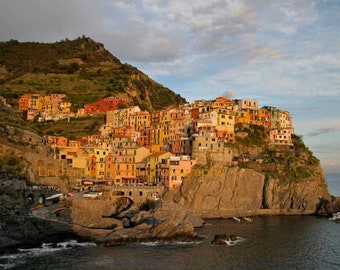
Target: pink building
178,168
281,136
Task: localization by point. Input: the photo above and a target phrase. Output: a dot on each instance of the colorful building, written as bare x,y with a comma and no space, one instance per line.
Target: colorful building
177,168
105,104
153,168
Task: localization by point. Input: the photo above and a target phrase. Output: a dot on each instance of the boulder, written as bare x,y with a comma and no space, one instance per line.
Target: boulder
138,217
222,239
126,223
335,204
171,229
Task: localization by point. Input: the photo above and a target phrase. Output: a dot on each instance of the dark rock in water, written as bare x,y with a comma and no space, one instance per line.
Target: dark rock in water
335,204
323,207
220,239
6,242
233,237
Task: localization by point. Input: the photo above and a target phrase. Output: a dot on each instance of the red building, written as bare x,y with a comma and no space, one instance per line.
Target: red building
106,104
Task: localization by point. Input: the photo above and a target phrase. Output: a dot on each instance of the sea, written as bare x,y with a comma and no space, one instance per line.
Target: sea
275,242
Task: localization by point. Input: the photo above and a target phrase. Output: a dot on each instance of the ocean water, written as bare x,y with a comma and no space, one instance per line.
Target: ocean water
333,182
295,242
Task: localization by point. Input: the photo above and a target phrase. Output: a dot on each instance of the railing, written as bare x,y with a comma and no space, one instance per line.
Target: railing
132,187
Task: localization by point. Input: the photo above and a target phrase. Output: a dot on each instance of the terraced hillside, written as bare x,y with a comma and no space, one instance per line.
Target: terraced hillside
82,69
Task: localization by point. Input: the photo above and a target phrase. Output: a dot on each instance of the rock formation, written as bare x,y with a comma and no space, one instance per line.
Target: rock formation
16,227
233,191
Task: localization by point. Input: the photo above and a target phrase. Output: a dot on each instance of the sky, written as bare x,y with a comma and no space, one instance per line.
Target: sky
281,53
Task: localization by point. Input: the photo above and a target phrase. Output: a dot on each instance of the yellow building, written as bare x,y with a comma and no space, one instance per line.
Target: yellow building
121,164
153,169
157,136
36,102
100,155
225,125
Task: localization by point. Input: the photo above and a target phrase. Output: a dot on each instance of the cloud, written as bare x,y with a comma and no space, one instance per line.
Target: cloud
39,20
230,94
322,131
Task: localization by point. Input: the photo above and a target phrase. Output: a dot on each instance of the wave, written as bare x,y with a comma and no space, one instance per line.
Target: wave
231,242
162,243
235,242
8,261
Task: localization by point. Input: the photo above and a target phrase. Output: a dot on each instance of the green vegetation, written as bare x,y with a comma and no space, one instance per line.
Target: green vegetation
82,69
10,162
290,163
257,136
76,128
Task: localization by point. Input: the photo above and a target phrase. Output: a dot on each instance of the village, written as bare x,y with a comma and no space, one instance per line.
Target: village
158,148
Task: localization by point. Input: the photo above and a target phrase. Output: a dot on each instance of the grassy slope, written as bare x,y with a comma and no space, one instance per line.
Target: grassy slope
80,68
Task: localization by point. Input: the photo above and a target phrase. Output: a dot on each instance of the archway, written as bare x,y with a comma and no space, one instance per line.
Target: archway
30,199
41,199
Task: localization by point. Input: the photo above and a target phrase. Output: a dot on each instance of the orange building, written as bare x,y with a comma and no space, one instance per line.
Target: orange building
120,169
57,141
243,117
24,102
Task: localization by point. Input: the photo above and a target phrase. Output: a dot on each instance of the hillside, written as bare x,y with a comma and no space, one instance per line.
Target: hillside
82,69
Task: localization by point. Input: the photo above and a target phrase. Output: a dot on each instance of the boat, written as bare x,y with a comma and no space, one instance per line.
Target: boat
55,196
335,217
237,219
92,194
247,219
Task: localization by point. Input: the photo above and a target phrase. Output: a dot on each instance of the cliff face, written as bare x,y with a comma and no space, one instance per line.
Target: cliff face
269,180
226,192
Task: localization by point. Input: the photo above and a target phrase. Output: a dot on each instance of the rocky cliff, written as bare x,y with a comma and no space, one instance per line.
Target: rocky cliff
17,228
233,191
266,179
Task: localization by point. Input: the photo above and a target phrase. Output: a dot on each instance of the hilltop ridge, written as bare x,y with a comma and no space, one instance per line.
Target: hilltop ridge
81,68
